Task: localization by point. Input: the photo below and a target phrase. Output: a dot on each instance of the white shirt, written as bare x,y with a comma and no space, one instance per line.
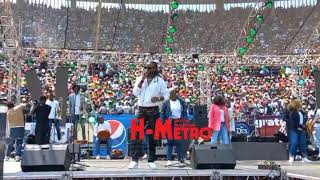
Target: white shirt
222,115
156,88
301,118
77,104
54,109
100,127
176,109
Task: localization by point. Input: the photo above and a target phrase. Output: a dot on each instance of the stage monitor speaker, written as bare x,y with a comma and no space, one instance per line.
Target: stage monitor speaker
33,84
317,87
62,82
273,151
206,156
200,118
45,158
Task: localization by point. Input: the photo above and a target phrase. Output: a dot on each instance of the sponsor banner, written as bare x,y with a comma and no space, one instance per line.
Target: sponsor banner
270,125
242,128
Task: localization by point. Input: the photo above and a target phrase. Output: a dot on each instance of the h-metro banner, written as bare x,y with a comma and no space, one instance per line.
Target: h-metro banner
181,129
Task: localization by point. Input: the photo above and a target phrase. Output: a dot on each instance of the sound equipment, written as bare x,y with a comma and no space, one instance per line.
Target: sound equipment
76,151
273,151
161,151
45,158
33,84
200,118
62,82
316,76
206,156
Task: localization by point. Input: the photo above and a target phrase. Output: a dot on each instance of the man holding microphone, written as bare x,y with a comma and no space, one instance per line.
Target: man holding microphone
151,91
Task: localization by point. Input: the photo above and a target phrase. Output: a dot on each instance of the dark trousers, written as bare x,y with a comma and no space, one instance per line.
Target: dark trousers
42,134
15,137
56,123
173,142
297,139
75,119
149,115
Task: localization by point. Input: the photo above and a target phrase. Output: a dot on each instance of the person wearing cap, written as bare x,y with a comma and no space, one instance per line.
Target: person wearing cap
151,91
100,129
76,102
174,109
15,119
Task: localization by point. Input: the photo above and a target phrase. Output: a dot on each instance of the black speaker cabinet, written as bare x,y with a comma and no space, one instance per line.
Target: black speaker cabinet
45,158
212,157
200,118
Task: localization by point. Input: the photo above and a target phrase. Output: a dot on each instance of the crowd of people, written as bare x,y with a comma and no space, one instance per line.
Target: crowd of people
132,30
252,90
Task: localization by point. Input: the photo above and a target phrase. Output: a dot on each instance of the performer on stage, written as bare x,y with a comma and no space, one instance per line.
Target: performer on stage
15,118
75,108
54,115
102,132
151,91
296,126
219,120
42,112
175,109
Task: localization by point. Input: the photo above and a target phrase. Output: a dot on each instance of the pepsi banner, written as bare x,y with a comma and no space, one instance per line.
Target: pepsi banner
119,128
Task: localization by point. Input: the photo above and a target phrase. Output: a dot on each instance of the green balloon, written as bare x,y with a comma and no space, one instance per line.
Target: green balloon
132,66
168,50
260,18
30,62
249,39
170,39
174,16
174,5
179,67
172,29
242,51
201,67
269,4
253,32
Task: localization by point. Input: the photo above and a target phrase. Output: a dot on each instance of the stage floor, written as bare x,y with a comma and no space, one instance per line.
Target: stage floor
118,168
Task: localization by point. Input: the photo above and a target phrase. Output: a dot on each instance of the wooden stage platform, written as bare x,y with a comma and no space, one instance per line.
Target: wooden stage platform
117,169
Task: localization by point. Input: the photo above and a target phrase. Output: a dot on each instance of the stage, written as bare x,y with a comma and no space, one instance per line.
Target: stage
117,169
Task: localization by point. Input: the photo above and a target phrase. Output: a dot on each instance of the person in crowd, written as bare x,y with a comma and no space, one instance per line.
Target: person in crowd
102,132
54,116
296,126
151,91
41,112
232,120
103,109
15,119
175,110
316,118
219,120
76,102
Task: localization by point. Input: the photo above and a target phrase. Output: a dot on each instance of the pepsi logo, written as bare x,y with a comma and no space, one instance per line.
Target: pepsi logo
118,133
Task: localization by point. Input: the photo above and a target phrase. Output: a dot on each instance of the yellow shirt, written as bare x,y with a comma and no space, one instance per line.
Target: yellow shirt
15,116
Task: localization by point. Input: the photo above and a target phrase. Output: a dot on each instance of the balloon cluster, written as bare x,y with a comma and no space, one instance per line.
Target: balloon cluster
171,28
253,26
